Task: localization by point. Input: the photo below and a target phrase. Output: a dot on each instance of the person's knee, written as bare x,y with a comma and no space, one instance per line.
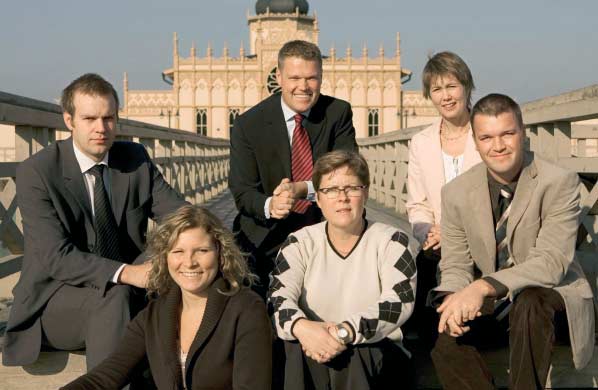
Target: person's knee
444,343
117,297
531,306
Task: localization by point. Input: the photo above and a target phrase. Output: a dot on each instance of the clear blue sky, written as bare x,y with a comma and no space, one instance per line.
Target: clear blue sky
527,48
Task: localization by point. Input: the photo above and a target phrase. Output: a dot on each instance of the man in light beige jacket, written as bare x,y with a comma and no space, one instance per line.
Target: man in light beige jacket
509,230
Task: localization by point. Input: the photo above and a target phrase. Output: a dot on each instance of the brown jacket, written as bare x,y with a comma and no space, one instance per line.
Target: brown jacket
231,350
541,233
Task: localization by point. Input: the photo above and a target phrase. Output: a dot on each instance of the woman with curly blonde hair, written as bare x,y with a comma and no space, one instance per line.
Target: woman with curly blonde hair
206,329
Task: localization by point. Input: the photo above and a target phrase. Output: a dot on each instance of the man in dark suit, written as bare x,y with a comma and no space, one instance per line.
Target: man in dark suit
85,204
273,148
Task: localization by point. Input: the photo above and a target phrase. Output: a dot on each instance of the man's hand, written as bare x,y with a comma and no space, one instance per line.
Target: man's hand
284,196
433,238
316,340
463,306
282,200
135,275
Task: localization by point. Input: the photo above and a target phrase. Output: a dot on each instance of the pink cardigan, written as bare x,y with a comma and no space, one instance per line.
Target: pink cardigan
425,177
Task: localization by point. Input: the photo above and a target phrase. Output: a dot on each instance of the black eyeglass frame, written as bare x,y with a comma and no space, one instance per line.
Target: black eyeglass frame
334,192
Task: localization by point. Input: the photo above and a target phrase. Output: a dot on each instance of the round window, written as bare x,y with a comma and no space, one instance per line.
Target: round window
272,84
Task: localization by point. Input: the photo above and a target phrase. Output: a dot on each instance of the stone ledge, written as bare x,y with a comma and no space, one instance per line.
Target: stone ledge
52,370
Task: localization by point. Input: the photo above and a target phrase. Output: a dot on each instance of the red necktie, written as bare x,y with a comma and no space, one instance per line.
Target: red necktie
301,161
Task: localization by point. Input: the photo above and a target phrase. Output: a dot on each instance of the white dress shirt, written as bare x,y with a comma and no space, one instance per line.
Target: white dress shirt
85,164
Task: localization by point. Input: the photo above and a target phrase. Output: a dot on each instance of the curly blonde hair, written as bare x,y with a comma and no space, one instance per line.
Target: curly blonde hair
232,265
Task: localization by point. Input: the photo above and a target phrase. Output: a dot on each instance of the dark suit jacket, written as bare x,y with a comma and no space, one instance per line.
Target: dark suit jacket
261,158
231,350
59,231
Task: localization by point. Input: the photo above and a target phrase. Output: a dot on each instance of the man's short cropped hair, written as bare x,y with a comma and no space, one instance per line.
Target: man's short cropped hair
495,104
337,159
89,84
447,63
301,49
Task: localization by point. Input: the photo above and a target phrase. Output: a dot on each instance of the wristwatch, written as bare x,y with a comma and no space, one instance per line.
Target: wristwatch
343,334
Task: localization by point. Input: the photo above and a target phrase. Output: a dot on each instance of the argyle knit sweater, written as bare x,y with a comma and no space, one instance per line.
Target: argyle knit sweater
372,288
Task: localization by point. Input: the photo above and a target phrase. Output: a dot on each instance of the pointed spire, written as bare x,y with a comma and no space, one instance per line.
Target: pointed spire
193,49
333,51
242,50
349,52
381,51
209,50
398,44
225,50
125,82
175,44
316,30
364,51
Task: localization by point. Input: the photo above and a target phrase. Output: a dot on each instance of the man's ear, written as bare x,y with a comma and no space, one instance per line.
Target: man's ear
68,120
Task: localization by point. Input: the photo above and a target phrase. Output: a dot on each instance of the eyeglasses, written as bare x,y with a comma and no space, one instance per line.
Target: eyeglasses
350,191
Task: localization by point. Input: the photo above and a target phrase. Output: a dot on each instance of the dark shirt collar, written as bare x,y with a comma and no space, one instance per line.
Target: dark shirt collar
494,188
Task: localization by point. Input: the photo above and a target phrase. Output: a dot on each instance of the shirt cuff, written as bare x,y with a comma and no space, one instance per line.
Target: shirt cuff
501,289
436,297
117,274
311,192
267,207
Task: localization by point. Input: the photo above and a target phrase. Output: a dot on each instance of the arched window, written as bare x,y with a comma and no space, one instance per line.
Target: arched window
201,121
232,115
372,122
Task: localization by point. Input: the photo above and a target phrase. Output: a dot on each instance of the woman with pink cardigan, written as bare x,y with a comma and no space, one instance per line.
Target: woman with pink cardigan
437,155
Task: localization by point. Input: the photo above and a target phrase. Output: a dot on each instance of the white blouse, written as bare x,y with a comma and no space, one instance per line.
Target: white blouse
453,166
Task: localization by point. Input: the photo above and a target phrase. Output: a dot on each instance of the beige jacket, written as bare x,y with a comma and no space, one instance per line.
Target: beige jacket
541,229
425,178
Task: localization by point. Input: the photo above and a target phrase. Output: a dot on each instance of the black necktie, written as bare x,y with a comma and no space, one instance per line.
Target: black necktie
105,223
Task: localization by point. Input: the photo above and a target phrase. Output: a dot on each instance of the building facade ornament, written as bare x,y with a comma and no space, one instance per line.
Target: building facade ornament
209,92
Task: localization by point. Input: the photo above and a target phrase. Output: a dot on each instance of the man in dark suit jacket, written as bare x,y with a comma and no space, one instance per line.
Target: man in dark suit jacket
70,293
266,190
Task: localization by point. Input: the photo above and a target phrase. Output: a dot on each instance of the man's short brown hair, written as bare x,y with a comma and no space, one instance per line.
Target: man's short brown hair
301,49
89,84
495,104
337,159
447,63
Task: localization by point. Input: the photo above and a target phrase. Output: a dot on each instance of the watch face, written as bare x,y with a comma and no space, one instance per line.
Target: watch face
343,333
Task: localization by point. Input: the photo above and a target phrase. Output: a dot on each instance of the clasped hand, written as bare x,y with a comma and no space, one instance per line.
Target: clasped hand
433,238
459,308
284,197
318,340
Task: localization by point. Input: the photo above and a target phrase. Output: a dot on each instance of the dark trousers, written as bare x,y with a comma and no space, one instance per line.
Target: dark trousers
78,317
424,320
381,365
531,335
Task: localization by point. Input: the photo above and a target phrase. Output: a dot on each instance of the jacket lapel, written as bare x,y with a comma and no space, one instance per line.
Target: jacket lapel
523,194
73,179
169,328
119,186
436,163
214,308
277,135
482,208
314,124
